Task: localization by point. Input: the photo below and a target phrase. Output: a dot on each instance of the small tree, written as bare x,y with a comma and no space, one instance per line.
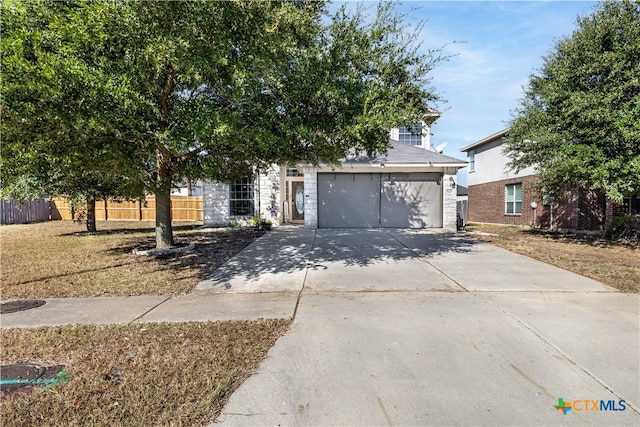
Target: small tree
579,121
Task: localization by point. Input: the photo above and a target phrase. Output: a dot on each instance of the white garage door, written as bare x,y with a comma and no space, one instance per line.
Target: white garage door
409,200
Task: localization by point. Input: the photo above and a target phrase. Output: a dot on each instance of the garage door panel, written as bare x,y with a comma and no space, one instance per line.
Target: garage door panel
414,176
411,204
348,200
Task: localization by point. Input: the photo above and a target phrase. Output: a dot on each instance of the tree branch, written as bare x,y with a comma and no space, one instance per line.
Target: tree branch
164,99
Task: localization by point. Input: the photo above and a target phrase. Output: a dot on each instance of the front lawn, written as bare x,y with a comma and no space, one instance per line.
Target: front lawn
135,375
59,259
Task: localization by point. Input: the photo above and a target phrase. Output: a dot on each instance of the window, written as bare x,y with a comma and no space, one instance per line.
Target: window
513,198
631,204
294,172
472,161
241,197
411,135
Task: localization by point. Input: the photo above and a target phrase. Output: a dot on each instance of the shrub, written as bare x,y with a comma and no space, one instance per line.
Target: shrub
625,228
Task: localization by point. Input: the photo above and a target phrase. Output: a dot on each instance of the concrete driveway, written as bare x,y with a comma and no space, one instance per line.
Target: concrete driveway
401,327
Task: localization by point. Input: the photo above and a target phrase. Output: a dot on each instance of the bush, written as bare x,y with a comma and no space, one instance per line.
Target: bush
624,227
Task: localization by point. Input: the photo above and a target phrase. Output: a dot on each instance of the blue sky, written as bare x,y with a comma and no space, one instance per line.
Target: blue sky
500,44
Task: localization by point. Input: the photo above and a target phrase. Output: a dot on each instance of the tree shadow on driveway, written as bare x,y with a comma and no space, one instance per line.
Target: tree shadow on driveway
278,261
358,247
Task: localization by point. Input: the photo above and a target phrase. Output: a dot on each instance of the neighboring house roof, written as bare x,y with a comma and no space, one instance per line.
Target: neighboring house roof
486,140
462,191
401,153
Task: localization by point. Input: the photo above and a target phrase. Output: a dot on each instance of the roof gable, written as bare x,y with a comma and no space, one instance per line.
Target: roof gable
401,153
486,140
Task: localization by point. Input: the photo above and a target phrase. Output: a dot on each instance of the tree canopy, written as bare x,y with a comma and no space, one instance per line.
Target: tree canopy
54,138
156,92
579,120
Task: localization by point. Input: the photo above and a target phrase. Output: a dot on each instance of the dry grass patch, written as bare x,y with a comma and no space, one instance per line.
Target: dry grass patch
613,264
136,375
59,259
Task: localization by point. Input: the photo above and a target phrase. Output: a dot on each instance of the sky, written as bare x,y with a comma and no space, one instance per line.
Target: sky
495,46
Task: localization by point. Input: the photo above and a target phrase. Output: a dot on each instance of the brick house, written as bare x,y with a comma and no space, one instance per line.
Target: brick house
410,186
499,195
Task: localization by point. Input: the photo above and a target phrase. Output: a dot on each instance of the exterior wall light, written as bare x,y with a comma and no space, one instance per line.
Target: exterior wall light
452,182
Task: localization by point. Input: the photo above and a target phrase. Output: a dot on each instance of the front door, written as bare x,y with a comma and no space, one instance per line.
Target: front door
297,200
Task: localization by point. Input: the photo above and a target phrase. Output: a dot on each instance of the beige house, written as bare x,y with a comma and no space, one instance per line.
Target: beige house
410,186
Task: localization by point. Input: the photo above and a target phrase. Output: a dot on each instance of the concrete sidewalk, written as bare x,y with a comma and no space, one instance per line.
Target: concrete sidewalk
149,308
266,278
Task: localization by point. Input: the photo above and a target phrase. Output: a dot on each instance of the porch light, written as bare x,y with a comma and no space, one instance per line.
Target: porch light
452,182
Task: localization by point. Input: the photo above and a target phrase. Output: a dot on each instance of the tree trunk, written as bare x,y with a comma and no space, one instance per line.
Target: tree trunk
164,230
91,215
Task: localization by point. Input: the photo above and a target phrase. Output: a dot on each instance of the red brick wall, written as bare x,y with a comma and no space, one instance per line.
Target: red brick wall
577,210
486,202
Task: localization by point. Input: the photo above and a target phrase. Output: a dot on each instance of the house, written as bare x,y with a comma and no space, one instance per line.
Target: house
499,195
188,188
410,186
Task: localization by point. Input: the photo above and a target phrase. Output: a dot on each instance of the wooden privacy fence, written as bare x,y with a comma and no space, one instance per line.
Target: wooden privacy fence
18,212
183,208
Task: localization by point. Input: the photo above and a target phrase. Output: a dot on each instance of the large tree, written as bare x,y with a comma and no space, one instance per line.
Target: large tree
214,89
57,134
579,121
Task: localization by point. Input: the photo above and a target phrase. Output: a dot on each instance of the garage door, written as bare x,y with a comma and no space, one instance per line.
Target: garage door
412,200
348,200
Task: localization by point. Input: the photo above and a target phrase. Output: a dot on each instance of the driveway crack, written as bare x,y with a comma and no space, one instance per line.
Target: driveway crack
306,272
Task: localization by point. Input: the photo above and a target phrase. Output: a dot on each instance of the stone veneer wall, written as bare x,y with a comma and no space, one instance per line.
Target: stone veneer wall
449,200
310,197
267,195
215,204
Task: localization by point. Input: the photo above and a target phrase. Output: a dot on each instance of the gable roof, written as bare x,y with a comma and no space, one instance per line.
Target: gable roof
486,140
402,153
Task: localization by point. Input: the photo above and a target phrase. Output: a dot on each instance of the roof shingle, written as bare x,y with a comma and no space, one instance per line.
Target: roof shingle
401,153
